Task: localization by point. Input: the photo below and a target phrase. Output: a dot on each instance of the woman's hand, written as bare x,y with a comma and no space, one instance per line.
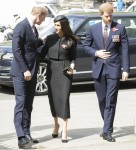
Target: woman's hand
70,71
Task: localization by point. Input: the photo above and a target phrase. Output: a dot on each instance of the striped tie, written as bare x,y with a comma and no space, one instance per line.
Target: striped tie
105,35
35,31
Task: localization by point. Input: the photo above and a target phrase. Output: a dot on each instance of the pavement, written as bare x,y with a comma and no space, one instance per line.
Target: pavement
1,37
84,125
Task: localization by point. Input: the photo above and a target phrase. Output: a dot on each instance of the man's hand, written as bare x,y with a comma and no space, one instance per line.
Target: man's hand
103,54
27,75
124,76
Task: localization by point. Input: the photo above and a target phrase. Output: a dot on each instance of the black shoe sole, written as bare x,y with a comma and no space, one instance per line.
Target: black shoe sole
113,140
26,146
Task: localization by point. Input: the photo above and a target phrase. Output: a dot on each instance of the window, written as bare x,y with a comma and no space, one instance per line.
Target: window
130,25
75,22
87,25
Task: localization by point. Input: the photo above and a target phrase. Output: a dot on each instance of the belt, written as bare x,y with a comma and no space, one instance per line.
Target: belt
57,59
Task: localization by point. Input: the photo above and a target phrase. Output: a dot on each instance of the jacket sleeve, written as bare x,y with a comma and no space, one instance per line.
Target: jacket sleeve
124,51
18,47
90,51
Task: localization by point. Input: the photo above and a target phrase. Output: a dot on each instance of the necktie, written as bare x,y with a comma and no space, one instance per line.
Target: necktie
35,31
36,35
105,34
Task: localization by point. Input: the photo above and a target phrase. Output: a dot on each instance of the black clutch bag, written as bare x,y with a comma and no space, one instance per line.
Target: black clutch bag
65,71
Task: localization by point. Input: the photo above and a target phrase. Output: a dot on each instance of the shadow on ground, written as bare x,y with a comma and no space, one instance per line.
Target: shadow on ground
74,133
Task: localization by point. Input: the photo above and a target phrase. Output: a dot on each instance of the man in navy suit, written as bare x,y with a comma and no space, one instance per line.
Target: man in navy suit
24,70
107,43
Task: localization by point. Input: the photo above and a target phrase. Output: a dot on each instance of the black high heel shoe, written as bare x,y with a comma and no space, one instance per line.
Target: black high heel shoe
63,140
55,135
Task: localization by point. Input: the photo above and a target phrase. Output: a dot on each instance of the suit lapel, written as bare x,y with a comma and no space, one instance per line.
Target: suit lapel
100,34
29,29
110,35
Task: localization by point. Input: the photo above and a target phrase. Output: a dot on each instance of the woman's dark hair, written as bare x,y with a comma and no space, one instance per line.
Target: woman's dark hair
65,27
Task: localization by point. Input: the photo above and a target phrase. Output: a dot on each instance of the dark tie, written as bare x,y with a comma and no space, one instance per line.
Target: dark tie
105,34
35,31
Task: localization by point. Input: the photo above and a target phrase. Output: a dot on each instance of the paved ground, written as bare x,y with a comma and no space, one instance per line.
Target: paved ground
83,128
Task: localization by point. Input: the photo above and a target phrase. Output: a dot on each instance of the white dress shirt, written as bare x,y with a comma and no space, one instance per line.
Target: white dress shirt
108,27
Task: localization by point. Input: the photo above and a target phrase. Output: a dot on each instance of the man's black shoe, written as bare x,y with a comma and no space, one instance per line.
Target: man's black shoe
101,134
108,137
31,139
24,143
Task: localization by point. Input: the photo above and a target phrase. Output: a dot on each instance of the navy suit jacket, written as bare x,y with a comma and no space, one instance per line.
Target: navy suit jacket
118,50
24,49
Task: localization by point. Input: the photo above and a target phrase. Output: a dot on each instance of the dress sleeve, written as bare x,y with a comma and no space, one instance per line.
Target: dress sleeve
73,51
73,55
43,50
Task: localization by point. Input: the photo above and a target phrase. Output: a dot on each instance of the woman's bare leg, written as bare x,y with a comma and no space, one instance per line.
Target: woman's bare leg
64,131
56,128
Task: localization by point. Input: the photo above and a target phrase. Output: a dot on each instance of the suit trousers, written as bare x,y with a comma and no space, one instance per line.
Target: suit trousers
24,95
107,91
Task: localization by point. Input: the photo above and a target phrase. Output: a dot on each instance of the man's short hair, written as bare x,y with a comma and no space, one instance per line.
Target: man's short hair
105,7
39,9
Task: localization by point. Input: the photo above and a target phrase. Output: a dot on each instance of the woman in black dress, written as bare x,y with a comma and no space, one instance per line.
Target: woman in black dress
61,50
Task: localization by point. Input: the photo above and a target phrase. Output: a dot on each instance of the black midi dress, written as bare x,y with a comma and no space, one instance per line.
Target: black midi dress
59,84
